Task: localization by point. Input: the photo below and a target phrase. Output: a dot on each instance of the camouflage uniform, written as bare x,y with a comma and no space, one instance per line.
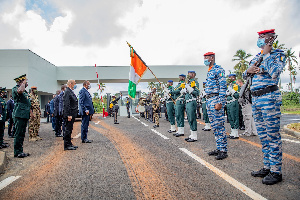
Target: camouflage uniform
155,106
34,123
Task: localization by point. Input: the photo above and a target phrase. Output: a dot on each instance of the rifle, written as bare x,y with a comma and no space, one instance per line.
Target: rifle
245,93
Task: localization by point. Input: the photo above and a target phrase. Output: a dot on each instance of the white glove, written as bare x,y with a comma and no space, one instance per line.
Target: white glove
232,91
183,91
166,91
189,88
228,93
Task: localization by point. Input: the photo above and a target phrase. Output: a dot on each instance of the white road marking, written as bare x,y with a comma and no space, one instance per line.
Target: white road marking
77,136
144,124
225,176
97,122
8,181
288,140
161,135
295,119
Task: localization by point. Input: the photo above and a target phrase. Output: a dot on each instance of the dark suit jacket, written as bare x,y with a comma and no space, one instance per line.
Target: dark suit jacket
70,103
85,102
56,106
10,107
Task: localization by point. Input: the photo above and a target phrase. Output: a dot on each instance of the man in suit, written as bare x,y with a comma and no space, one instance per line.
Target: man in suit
70,107
47,111
11,125
128,107
57,115
52,118
86,109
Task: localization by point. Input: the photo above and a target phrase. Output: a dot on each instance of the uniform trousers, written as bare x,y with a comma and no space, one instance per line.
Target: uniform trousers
11,126
216,118
250,128
20,124
233,114
171,112
191,114
205,116
266,113
179,112
2,127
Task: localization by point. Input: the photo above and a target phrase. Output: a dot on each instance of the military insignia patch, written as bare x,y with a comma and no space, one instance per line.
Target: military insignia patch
222,74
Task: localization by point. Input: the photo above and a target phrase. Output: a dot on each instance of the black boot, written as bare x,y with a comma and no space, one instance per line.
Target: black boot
221,155
260,173
272,178
214,152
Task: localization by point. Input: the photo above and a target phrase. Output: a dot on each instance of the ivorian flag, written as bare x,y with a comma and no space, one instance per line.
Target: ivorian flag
137,70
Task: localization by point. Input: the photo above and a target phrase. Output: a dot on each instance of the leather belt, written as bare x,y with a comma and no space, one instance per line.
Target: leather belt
211,95
232,100
264,91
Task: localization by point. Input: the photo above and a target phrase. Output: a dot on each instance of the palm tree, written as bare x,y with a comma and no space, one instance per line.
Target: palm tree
291,58
242,65
102,87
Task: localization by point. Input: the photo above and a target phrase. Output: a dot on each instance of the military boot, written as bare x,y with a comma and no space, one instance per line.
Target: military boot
260,173
221,155
272,178
214,152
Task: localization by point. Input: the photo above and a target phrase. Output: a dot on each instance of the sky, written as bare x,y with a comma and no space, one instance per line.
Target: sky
163,32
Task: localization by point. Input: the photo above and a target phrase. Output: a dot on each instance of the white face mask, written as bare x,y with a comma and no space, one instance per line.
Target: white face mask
89,86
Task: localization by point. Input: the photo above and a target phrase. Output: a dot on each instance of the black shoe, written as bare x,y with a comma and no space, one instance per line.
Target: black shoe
155,126
70,148
87,141
221,155
116,123
179,134
22,155
191,140
174,134
272,178
4,145
214,152
74,146
261,173
169,131
242,128
232,137
58,135
206,129
186,139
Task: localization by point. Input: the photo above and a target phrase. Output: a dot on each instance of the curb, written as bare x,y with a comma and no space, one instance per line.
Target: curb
291,132
3,161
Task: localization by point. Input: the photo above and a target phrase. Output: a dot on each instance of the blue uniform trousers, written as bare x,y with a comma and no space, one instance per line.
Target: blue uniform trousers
266,113
216,118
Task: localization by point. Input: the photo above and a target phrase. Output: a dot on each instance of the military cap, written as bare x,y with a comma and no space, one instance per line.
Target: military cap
33,87
182,75
20,78
209,54
204,82
266,31
191,72
170,81
2,89
231,75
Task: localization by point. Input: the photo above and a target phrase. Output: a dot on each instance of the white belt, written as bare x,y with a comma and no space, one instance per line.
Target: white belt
170,101
192,99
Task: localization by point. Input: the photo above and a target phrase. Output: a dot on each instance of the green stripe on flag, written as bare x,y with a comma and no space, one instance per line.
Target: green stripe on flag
132,89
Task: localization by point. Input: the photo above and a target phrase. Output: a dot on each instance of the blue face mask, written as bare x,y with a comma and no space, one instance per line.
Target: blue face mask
261,42
75,86
206,62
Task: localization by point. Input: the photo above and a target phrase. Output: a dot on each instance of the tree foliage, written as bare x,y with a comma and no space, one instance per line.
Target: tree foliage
291,59
241,56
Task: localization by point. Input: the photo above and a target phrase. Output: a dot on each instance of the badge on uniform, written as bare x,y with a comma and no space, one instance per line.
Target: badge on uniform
222,74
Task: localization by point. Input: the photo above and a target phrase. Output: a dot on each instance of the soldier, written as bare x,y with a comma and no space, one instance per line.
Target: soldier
115,107
142,103
215,90
204,110
35,115
155,105
192,92
3,95
179,95
21,114
245,103
11,125
266,101
128,107
170,105
232,105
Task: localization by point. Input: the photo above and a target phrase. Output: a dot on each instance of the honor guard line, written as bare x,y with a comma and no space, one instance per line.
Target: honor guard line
49,77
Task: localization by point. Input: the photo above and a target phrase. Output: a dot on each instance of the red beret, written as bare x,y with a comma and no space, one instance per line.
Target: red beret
266,31
209,54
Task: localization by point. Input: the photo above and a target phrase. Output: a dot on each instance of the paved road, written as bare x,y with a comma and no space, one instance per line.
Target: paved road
132,161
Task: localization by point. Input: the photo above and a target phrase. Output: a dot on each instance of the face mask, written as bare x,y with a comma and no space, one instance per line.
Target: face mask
206,62
261,42
75,86
89,87
35,91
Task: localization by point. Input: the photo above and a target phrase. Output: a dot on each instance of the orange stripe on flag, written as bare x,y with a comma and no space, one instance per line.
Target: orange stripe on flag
138,65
